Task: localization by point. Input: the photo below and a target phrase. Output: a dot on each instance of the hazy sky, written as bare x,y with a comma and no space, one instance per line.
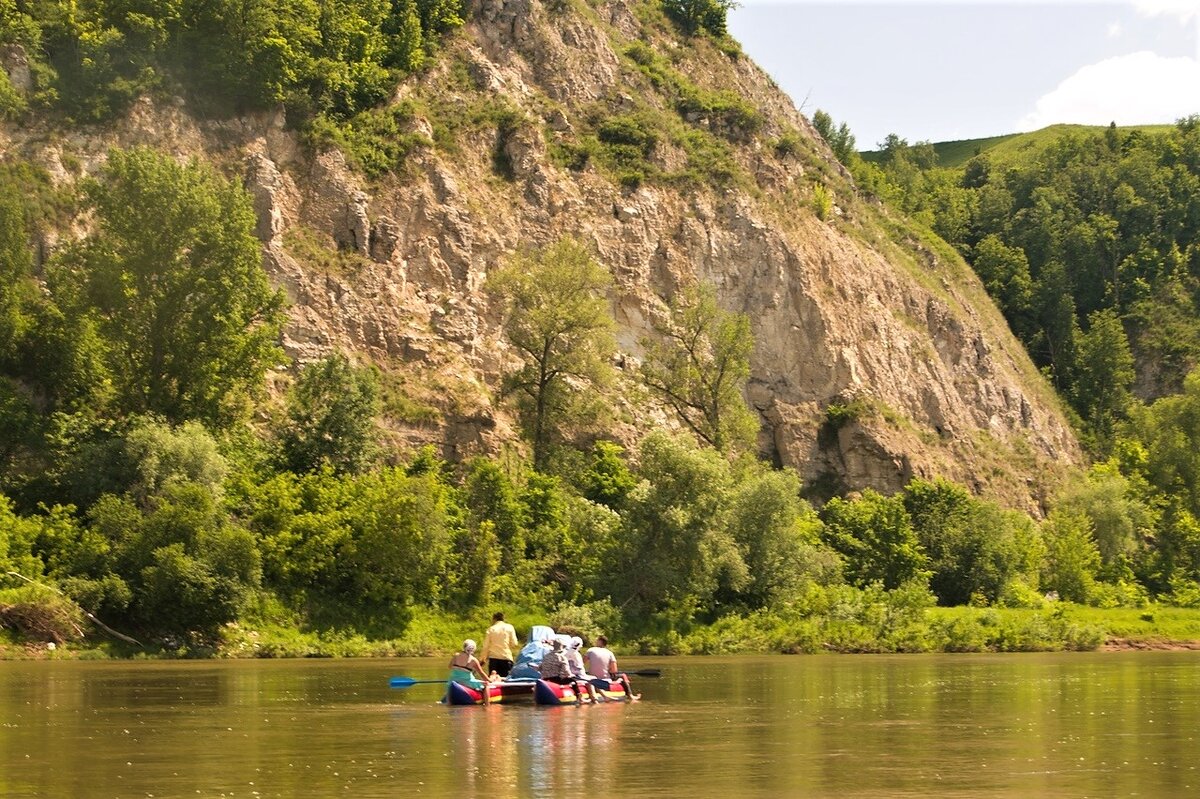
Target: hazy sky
940,71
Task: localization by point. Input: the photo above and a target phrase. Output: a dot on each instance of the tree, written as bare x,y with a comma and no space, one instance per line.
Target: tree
1071,555
187,568
970,543
1169,431
778,536
607,480
331,418
839,138
491,499
1104,375
677,551
694,16
173,276
15,263
875,535
1121,519
407,41
1004,271
700,368
557,318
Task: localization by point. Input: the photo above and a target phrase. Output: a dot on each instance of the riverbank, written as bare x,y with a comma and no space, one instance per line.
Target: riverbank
867,628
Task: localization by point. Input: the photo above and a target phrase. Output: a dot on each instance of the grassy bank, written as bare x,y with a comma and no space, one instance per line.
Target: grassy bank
869,628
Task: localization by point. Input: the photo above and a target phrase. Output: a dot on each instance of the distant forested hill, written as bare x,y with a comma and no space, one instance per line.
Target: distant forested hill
1087,239
1009,147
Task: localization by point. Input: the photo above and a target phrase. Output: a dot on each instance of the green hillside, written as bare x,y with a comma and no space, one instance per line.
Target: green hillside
1012,146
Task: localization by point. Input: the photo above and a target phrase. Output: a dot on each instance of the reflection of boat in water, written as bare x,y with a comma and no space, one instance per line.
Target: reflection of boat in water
505,692
549,693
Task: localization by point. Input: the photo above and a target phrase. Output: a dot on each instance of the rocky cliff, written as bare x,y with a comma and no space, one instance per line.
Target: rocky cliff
513,146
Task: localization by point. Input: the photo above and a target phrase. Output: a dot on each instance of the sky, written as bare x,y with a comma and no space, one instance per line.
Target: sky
943,71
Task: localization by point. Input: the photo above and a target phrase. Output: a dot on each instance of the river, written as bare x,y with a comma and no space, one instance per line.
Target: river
1062,725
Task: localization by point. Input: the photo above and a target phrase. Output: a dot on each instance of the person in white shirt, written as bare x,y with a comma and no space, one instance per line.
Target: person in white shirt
602,667
575,659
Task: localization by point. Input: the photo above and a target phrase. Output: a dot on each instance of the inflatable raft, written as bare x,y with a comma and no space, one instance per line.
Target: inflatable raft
550,693
503,693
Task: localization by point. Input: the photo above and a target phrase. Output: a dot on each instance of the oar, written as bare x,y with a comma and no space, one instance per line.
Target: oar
646,673
404,682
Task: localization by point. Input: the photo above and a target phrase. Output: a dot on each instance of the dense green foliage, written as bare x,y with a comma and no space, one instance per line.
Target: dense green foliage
331,418
135,479
327,63
187,316
1089,243
132,484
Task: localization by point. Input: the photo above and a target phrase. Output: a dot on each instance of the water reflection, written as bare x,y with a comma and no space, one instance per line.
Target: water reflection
527,750
979,726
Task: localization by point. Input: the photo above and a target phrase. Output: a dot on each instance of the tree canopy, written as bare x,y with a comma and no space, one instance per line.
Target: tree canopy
173,279
699,368
557,318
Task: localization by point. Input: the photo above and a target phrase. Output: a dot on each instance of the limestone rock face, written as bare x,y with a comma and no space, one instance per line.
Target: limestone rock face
844,314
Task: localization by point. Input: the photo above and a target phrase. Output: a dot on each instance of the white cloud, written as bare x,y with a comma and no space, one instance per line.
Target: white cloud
1135,89
1114,30
1182,9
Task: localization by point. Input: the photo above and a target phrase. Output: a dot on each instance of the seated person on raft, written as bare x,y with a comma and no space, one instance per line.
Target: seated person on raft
602,667
575,658
465,669
556,669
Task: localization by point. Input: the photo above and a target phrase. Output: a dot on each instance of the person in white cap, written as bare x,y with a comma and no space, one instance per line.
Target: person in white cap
465,667
575,658
555,667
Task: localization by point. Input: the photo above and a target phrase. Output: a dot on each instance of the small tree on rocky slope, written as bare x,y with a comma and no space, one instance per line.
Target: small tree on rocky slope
700,366
558,319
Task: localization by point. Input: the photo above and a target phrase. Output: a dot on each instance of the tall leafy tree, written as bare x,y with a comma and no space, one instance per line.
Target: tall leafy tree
696,16
1169,432
557,318
699,368
677,547
1104,376
875,535
1072,557
839,138
173,277
406,39
778,537
331,418
970,543
1122,519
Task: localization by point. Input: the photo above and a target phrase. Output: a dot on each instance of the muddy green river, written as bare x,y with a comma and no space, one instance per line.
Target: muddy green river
1056,725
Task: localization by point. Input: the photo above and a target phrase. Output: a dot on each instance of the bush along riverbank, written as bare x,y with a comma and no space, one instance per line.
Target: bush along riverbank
844,620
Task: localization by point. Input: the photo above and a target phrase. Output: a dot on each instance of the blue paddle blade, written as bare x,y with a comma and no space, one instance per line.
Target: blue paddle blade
402,682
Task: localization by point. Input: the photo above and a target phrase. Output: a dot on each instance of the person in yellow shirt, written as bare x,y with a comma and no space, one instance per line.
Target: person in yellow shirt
498,645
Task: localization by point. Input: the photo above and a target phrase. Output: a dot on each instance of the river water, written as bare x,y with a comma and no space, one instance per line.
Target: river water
1061,725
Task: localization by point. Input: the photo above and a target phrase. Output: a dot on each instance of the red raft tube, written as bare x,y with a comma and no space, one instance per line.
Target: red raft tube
502,693
551,693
